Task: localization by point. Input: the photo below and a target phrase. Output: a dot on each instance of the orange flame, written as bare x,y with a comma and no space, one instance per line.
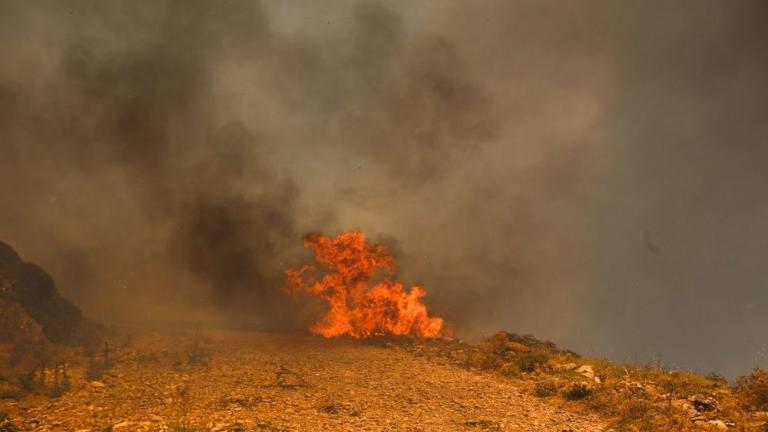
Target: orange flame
356,308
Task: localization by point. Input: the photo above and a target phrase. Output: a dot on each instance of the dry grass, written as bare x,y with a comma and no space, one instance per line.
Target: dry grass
753,389
633,398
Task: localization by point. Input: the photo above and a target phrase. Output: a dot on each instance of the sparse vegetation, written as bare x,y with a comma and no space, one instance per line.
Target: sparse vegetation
99,360
196,354
182,427
529,361
509,370
577,392
633,398
752,389
5,423
545,388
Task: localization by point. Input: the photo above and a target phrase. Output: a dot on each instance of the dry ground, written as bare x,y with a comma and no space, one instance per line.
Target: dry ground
253,381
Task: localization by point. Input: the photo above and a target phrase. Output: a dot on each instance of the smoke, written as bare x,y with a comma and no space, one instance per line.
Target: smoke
590,172
119,134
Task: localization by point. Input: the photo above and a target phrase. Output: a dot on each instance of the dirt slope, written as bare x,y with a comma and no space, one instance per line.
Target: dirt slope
253,381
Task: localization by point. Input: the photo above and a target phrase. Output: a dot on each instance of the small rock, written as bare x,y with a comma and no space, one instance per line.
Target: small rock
97,384
703,404
698,419
122,425
586,371
719,424
567,367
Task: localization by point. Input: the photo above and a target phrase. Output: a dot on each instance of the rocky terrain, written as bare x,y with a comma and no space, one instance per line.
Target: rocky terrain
39,329
242,381
627,397
59,372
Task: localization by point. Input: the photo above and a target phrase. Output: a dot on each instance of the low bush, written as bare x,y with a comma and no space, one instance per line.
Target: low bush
752,389
545,389
529,361
509,370
577,392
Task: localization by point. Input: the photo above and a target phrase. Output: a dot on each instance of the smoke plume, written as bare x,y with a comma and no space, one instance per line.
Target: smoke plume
591,172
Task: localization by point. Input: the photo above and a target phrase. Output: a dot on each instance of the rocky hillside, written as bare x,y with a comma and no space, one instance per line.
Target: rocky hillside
36,326
178,381
32,289
629,397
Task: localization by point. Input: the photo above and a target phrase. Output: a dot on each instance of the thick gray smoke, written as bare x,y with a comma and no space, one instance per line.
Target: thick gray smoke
588,171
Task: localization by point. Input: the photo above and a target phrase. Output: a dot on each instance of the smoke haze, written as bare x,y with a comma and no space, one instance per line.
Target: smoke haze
590,172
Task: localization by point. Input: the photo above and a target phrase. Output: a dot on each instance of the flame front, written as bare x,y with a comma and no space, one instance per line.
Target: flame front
355,307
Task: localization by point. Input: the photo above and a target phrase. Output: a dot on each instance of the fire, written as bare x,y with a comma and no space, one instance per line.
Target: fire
357,306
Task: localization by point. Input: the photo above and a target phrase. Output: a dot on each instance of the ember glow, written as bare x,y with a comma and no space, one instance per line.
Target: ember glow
342,275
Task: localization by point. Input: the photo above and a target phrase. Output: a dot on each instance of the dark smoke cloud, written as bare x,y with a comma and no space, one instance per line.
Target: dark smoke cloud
588,171
135,101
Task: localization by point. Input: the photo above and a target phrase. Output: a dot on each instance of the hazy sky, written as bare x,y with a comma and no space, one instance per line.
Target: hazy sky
592,172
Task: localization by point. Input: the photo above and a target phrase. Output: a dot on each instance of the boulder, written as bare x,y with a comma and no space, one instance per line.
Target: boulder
587,372
703,403
718,424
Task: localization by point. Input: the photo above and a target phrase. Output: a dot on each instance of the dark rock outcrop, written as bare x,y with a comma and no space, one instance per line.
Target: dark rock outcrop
32,288
8,256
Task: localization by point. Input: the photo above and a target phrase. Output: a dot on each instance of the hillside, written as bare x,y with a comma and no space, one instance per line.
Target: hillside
230,381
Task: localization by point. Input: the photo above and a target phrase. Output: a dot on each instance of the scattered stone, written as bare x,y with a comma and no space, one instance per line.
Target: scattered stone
719,424
702,403
587,372
122,425
567,367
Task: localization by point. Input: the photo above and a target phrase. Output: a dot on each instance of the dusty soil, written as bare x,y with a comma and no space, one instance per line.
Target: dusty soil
244,381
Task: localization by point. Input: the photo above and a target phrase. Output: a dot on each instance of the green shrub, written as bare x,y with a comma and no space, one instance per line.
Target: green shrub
577,392
528,361
545,389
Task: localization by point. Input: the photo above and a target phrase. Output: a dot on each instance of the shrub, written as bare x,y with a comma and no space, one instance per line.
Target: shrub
484,360
752,389
498,343
603,403
577,392
5,423
545,389
528,361
635,414
509,370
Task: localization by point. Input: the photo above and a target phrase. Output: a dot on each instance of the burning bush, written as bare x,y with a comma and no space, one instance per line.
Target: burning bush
357,307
